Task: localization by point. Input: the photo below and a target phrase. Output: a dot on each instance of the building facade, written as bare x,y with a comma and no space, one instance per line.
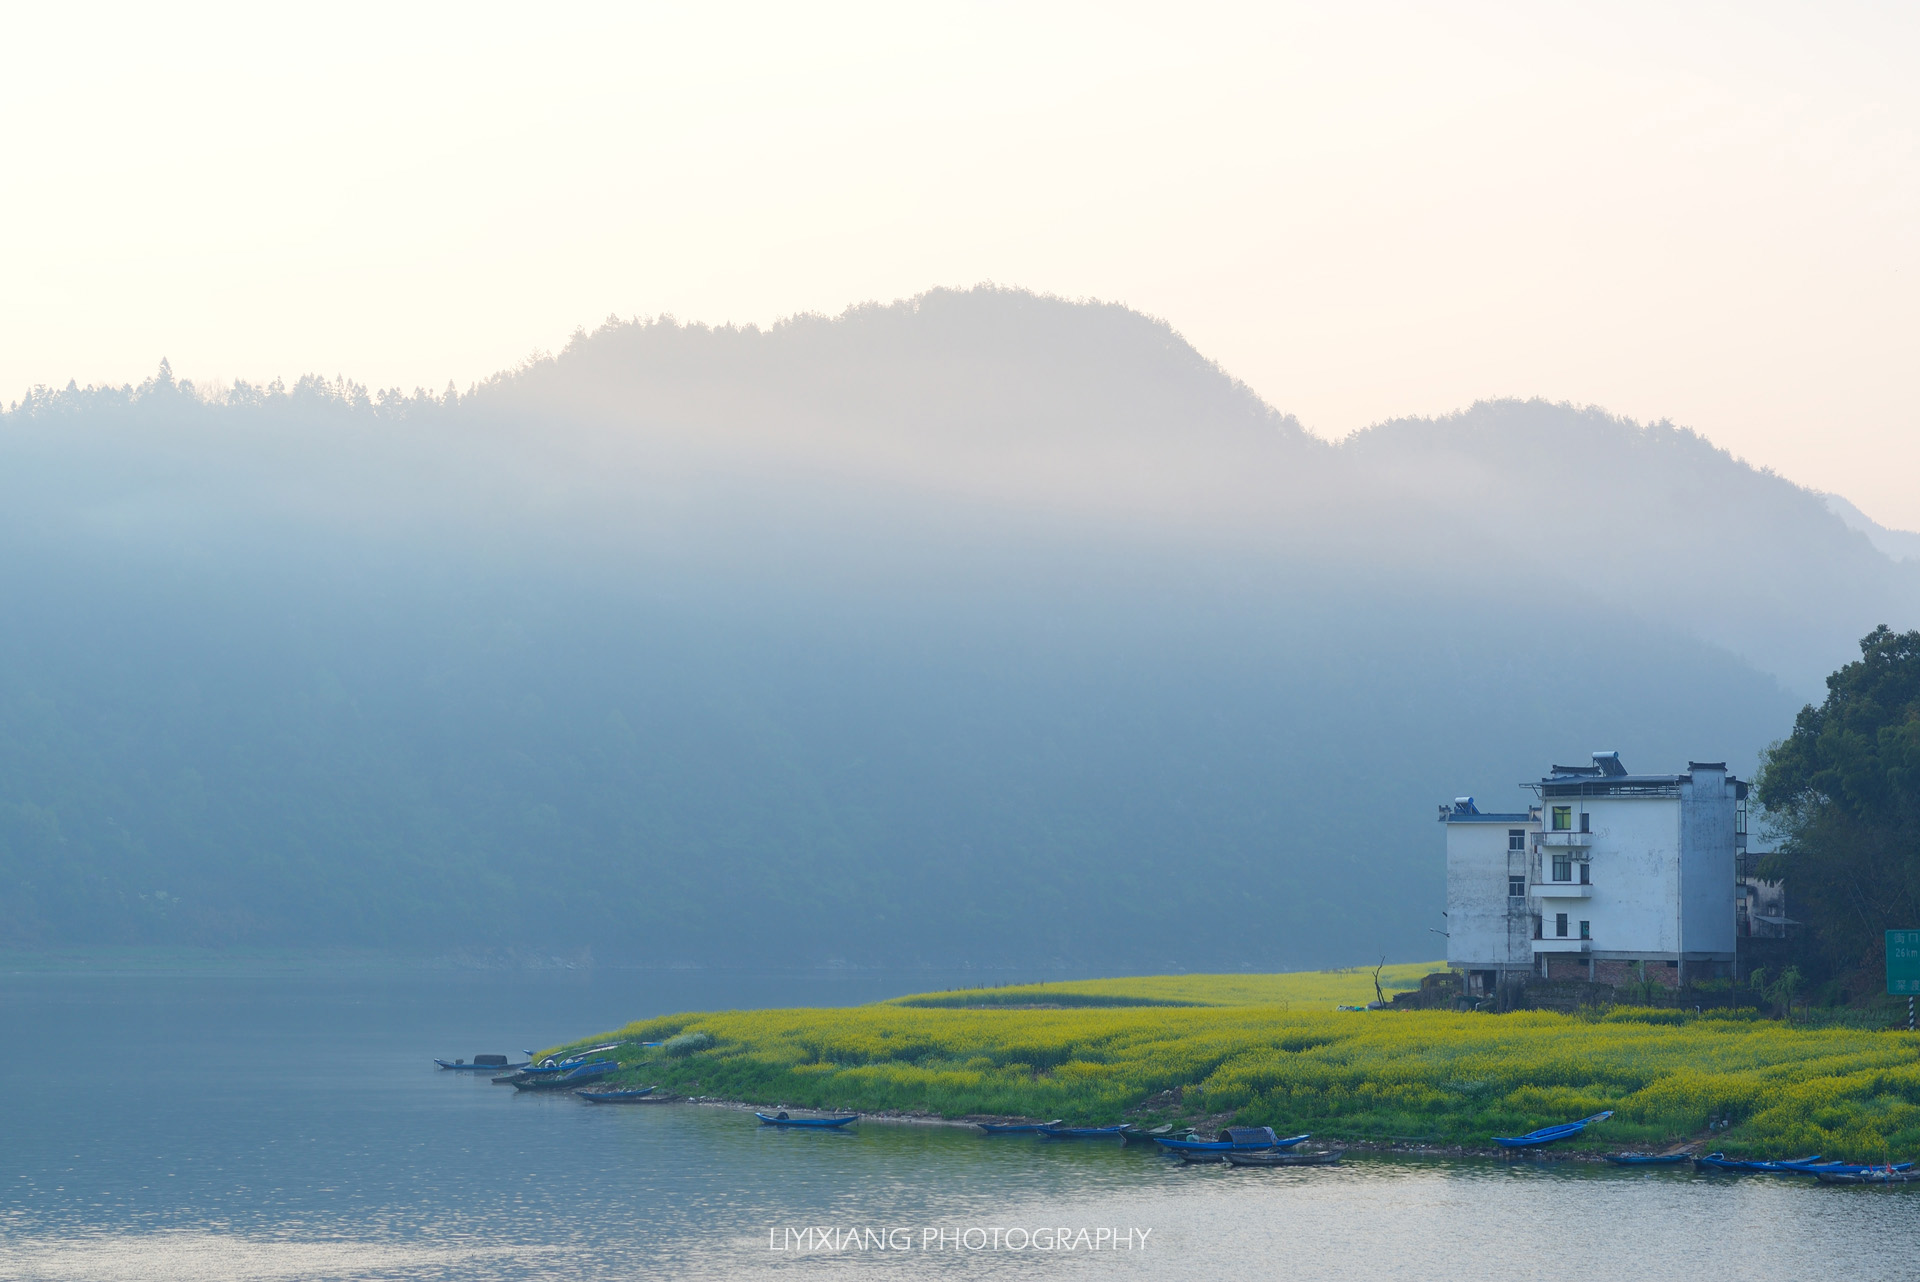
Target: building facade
1612,877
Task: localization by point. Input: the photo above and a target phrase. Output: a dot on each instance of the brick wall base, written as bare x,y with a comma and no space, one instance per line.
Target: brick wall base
1616,973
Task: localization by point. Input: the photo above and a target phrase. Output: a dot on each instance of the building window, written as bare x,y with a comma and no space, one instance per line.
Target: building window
1560,925
1586,930
1586,874
1563,818
1586,822
1516,887
1516,839
1563,868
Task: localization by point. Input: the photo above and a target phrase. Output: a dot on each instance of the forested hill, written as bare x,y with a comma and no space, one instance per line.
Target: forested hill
983,628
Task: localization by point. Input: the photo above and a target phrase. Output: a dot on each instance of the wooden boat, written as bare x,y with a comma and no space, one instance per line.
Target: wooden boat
616,1097
1236,1139
551,1065
479,1064
1015,1128
1791,1166
1718,1162
568,1080
1870,1175
1648,1159
1054,1131
1148,1137
1550,1134
814,1123
1282,1157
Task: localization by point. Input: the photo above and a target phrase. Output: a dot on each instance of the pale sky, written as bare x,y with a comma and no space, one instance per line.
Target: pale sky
1708,213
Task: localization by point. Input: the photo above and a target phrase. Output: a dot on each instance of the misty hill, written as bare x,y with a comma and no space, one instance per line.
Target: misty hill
982,628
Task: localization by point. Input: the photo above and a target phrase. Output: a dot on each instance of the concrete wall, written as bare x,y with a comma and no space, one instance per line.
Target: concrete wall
1707,873
1636,874
1485,929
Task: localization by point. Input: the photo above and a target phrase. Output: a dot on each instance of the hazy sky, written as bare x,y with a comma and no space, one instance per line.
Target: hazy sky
1709,213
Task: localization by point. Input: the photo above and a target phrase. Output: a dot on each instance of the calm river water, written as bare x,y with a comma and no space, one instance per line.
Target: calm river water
293,1126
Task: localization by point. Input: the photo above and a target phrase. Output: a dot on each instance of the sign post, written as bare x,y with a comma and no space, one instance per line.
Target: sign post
1903,967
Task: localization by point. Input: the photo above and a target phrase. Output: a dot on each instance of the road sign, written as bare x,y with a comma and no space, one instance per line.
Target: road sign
1903,963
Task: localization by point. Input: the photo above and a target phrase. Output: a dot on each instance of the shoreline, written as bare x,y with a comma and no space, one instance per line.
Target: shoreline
1363,1147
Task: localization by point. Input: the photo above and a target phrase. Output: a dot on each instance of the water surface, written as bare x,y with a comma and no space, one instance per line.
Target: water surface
292,1126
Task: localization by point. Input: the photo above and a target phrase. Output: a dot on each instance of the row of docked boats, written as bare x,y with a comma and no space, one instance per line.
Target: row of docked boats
1238,1145
1825,1171
1834,1172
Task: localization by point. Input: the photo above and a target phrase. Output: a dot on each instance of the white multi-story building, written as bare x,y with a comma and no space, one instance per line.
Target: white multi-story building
1613,876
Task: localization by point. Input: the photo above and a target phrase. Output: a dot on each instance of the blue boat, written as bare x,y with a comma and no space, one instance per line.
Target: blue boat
573,1075
814,1123
615,1097
1550,1134
1237,1139
1055,1131
1648,1159
1833,1168
1870,1175
1718,1162
1791,1166
1015,1128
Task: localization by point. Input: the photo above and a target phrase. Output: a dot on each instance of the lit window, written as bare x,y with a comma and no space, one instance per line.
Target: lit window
1563,818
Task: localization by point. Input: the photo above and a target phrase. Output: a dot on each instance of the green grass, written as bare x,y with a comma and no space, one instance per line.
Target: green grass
1440,1076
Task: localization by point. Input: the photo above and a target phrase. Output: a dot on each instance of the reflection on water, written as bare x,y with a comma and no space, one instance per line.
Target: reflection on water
293,1127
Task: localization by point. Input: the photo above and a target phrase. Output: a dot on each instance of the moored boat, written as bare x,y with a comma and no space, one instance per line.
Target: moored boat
813,1123
1148,1137
1550,1134
1648,1159
633,1096
1285,1157
1236,1139
1870,1175
1015,1128
572,1077
480,1063
1055,1131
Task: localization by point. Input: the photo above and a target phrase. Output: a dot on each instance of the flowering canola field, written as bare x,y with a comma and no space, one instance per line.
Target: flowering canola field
1750,1085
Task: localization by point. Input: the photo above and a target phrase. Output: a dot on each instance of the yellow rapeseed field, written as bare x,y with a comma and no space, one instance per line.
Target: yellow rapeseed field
1298,990
1427,1075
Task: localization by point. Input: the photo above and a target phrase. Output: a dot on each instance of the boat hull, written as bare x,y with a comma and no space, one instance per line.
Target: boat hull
1271,1158
806,1123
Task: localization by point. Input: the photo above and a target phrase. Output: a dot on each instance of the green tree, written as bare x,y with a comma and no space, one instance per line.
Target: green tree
1844,791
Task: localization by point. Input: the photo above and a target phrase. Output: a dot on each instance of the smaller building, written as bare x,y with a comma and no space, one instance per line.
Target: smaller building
1612,877
1490,919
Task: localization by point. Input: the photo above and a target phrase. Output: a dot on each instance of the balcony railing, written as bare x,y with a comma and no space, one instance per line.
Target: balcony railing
1553,944
1574,840
1560,890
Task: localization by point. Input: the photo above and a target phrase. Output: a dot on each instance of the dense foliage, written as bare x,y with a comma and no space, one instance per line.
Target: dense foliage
1845,789
1753,1086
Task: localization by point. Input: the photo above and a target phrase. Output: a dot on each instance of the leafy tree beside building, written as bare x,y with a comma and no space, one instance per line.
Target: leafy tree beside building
1844,791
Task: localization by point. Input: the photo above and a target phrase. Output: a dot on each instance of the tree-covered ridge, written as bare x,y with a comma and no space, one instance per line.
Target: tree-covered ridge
1845,789
983,628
